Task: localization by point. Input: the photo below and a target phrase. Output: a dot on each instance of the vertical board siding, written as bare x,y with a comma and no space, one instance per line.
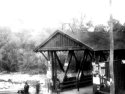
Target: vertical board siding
59,41
119,74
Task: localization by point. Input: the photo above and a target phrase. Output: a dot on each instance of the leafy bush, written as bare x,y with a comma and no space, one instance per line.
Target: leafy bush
16,53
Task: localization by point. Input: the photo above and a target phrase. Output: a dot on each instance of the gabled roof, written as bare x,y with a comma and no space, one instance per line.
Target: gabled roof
60,41
100,41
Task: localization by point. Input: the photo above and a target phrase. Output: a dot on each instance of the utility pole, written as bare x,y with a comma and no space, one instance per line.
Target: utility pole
111,66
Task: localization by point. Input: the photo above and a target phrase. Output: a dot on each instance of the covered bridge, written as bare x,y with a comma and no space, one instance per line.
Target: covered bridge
69,61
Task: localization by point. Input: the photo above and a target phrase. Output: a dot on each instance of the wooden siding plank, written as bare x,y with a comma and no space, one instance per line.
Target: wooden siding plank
61,41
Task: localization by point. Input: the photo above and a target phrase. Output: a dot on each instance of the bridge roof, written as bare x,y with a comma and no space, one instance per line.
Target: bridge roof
60,41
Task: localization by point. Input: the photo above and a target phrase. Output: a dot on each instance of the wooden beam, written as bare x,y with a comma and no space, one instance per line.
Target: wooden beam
52,62
44,56
77,70
55,70
60,64
64,49
69,61
77,62
83,62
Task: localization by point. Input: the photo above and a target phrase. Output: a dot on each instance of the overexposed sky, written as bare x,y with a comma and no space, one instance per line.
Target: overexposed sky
36,15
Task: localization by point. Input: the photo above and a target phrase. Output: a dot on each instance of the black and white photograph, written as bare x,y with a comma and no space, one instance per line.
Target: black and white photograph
62,47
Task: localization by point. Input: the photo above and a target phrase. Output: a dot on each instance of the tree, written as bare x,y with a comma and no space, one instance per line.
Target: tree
5,35
100,28
77,25
9,58
28,60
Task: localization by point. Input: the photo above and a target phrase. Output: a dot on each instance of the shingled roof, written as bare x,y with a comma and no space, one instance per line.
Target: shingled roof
100,41
60,41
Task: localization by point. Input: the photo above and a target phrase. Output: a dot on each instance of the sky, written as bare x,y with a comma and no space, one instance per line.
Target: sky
37,15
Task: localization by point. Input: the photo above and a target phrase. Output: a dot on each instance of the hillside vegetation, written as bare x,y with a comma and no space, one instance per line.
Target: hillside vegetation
16,49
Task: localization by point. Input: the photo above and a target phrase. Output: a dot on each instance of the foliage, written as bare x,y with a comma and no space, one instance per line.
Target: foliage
16,53
16,49
99,38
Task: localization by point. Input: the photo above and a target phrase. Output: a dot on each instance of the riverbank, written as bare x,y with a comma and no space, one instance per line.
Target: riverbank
12,82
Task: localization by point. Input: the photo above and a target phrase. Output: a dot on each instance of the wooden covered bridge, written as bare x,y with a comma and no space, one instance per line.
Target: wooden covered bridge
69,62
